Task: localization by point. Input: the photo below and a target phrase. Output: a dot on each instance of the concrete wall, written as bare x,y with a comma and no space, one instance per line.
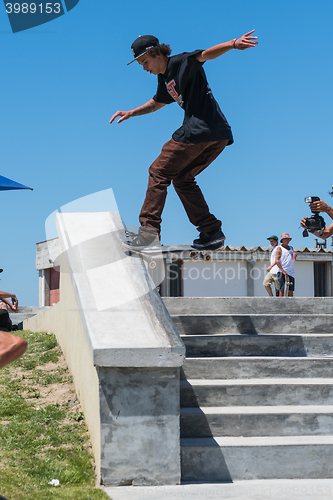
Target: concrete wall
239,278
214,279
122,349
64,320
304,284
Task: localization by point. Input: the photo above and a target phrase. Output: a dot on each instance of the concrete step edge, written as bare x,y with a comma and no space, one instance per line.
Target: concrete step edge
257,381
257,410
256,315
257,441
256,358
255,335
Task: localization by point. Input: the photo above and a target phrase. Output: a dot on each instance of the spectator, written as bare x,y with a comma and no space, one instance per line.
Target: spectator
284,259
273,269
11,346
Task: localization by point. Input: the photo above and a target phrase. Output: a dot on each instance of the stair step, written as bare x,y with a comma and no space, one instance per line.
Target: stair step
242,458
248,305
253,323
256,392
256,367
226,345
247,410
253,421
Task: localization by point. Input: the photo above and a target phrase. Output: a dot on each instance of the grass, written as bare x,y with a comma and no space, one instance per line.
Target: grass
43,435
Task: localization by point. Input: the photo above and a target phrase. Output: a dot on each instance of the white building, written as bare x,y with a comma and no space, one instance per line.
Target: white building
240,271
227,272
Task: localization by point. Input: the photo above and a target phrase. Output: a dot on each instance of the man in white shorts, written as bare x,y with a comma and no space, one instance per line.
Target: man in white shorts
272,270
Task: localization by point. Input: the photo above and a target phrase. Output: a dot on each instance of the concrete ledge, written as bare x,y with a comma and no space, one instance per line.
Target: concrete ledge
125,320
116,333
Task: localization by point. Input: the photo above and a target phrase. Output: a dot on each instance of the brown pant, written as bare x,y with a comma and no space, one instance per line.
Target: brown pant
180,163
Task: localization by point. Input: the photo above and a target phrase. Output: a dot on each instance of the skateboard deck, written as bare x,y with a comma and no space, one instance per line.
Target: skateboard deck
160,251
286,286
151,255
156,252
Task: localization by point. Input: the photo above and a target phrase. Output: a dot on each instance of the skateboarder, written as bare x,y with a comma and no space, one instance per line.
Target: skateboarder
203,135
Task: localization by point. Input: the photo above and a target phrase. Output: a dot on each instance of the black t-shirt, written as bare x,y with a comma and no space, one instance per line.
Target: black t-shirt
185,82
4,320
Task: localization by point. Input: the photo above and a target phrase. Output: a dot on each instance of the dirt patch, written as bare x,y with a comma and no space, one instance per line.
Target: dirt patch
55,393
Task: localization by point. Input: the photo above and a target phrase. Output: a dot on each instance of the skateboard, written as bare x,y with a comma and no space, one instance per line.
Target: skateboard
152,255
286,286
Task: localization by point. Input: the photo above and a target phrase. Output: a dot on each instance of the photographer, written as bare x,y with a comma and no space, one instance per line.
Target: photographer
321,206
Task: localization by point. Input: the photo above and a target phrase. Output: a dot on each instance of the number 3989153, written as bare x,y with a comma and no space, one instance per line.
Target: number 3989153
33,8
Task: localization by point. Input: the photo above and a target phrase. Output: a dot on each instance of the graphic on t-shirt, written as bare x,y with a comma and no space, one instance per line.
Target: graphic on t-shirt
209,90
173,92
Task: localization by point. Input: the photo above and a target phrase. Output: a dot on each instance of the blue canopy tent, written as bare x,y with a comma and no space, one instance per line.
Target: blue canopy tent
7,184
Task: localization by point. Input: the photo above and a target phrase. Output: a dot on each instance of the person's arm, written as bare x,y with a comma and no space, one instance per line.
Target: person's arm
12,296
149,107
11,348
277,260
321,206
327,232
244,42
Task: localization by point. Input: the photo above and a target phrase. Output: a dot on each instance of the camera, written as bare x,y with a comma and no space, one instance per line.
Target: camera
315,222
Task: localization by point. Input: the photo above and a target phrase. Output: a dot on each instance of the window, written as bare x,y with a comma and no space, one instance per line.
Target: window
319,269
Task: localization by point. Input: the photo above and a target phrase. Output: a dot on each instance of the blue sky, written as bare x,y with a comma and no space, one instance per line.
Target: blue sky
61,83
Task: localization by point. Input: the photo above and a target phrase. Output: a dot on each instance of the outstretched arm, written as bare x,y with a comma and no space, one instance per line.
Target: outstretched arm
146,108
244,42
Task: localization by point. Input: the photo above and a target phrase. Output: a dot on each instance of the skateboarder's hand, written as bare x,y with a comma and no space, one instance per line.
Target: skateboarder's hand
124,115
246,41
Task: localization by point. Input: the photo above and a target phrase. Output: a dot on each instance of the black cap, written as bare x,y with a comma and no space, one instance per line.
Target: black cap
142,44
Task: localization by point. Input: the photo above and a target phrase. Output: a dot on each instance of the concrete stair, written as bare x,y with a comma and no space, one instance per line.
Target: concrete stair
256,390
